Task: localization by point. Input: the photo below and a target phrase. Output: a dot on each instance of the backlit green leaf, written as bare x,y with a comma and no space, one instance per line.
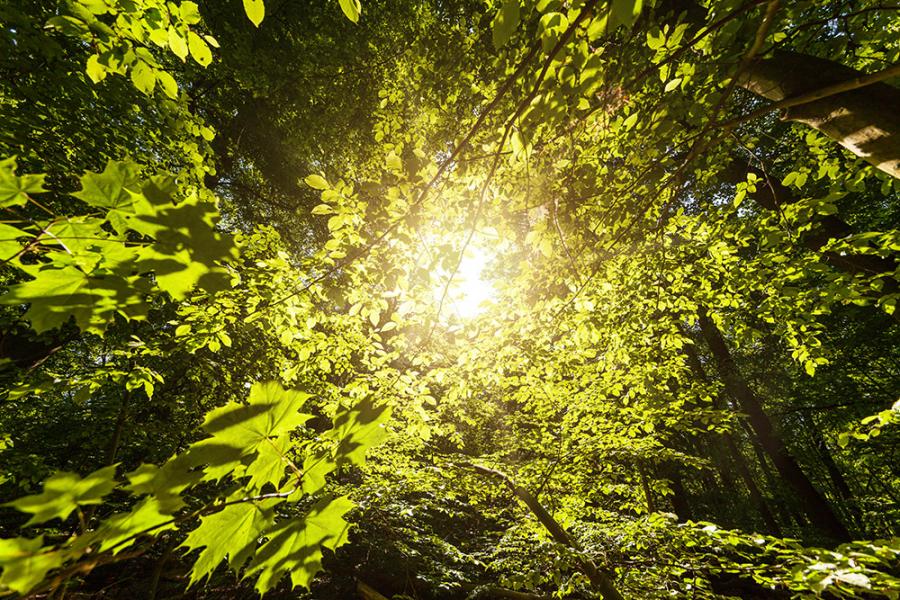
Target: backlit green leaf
505,22
14,189
64,492
351,9
255,10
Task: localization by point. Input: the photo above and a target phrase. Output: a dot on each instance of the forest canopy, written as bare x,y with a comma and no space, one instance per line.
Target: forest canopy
449,299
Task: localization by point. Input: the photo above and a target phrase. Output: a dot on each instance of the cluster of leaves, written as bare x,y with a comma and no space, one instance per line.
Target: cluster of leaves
105,263
239,482
694,315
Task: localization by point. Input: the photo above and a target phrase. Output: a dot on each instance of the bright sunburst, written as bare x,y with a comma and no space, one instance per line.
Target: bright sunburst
471,291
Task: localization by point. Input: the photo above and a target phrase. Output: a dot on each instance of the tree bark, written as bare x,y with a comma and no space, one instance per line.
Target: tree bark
818,509
866,120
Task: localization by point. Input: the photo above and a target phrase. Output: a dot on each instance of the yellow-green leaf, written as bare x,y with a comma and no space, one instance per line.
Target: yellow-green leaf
256,11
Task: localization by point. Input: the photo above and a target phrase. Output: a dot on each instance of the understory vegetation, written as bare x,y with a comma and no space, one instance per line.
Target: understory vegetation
449,299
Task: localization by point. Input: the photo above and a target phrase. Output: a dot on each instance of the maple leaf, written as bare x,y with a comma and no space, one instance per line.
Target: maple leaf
232,532
26,563
294,546
64,492
14,189
258,430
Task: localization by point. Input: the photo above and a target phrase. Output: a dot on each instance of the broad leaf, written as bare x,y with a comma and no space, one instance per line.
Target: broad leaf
256,11
64,492
294,546
25,563
505,22
115,187
14,189
232,532
351,9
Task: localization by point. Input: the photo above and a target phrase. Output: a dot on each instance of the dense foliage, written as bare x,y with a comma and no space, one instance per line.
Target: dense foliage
241,353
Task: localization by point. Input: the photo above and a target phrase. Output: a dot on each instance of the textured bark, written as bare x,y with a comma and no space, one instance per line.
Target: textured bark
866,121
818,509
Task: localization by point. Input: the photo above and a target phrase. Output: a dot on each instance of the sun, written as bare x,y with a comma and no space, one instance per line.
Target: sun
471,291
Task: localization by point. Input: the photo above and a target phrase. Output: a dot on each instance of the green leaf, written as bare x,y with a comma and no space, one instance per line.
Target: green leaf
630,121
166,482
26,563
259,429
57,294
168,84
550,27
9,244
294,546
256,11
199,49
232,532
64,492
177,44
190,12
624,12
317,182
356,430
143,77
393,162
655,39
96,71
673,84
505,22
121,530
351,8
188,251
115,187
14,189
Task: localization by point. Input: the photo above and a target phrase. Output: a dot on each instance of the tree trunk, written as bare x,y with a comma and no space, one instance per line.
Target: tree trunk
738,458
834,473
598,578
761,505
680,503
820,513
866,120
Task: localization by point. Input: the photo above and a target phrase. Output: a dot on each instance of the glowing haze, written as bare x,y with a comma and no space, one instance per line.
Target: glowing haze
470,292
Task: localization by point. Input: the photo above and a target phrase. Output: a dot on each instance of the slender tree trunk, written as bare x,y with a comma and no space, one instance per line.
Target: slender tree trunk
834,473
113,449
761,505
818,509
784,509
866,120
680,503
645,484
600,580
737,457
